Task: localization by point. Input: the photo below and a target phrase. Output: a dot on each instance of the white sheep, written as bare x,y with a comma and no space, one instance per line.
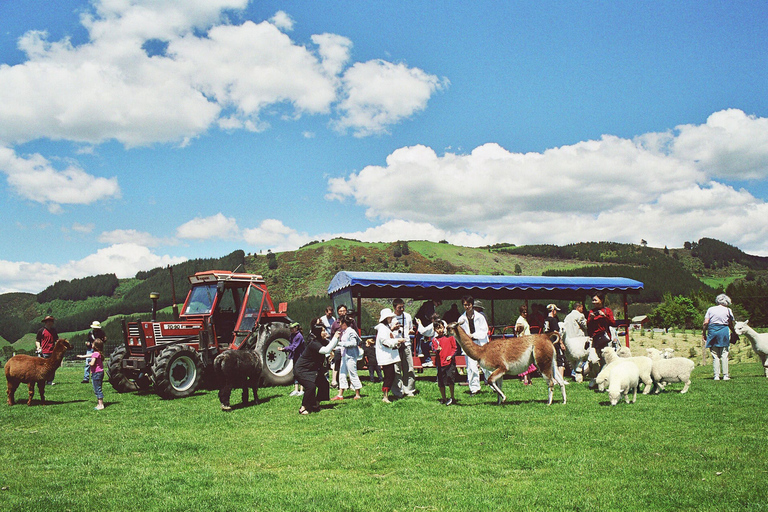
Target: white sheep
759,341
675,369
644,365
577,352
623,378
601,381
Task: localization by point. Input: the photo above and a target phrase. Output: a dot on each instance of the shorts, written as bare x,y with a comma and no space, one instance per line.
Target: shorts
447,375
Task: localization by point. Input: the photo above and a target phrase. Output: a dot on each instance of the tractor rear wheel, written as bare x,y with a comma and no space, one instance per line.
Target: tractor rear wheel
122,381
277,367
177,372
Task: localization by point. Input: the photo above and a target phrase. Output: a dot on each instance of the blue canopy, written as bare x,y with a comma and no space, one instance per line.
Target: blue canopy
454,286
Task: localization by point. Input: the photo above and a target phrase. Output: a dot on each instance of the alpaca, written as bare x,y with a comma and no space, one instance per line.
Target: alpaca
513,356
644,365
624,376
237,369
675,369
30,370
759,342
578,350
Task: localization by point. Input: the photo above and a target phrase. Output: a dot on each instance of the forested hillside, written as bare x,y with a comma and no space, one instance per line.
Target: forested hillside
301,277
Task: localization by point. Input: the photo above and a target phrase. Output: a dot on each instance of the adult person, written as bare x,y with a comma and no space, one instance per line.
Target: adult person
452,315
599,322
46,339
716,331
350,342
387,350
341,310
522,328
423,344
405,379
552,324
476,326
575,326
96,333
310,369
328,319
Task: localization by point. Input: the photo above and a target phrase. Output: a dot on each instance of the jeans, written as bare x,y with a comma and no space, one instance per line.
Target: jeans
97,379
87,369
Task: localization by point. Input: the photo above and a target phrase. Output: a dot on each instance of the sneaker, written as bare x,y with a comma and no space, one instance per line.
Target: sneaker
725,377
337,397
293,393
84,381
300,393
449,401
717,377
428,364
357,397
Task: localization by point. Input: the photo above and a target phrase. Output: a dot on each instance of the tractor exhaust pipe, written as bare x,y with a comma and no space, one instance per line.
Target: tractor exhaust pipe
154,296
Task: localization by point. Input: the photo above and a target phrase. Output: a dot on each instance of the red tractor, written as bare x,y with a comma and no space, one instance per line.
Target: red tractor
223,310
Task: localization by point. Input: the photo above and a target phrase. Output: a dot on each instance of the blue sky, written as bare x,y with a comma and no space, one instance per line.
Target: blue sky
137,134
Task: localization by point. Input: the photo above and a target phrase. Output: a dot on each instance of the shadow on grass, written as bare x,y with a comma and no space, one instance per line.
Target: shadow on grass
36,402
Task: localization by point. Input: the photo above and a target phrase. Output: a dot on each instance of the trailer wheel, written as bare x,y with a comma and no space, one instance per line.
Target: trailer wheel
177,371
277,366
121,381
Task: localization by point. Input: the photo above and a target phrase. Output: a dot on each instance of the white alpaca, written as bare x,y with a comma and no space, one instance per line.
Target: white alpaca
623,378
675,369
644,365
577,352
759,341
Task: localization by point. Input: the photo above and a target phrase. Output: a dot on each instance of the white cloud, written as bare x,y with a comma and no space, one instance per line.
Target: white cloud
210,72
282,21
35,178
206,228
379,94
659,187
83,228
124,260
273,234
132,236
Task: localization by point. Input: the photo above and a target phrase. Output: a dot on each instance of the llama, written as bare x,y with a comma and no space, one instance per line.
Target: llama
578,350
513,356
759,341
30,370
237,369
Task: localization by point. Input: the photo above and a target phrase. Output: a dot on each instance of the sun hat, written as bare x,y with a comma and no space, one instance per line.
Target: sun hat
96,325
386,313
553,307
49,317
294,324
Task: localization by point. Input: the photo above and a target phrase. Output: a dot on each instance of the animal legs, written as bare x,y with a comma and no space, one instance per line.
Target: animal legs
31,393
12,386
224,393
685,388
497,374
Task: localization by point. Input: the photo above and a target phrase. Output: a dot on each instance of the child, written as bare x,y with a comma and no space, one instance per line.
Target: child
445,348
97,370
294,349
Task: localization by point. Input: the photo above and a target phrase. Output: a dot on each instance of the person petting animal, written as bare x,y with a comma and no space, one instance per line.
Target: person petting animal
97,371
310,369
599,323
445,348
45,341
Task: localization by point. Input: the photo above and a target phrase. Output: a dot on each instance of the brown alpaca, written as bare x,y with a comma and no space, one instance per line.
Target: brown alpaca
513,356
31,370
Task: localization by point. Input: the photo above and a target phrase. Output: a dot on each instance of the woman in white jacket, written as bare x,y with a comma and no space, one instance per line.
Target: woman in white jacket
387,350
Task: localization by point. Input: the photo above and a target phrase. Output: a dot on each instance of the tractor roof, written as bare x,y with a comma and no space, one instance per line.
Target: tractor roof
214,276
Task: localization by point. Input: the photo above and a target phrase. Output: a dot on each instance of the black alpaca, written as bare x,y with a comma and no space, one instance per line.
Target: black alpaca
237,369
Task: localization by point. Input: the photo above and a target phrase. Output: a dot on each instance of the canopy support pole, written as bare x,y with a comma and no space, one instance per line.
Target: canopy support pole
626,319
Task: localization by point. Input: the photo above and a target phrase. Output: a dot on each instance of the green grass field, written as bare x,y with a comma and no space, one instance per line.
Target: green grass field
704,450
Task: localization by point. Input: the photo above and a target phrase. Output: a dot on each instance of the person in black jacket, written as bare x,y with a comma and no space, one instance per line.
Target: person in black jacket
310,370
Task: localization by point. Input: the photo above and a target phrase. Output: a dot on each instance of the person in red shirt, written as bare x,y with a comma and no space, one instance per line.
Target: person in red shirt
445,349
599,323
46,340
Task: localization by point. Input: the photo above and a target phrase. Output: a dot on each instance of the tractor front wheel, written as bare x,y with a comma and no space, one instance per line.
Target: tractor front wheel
277,367
177,372
122,381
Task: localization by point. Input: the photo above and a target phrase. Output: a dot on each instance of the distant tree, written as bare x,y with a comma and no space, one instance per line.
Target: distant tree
677,311
405,249
443,242
271,260
643,243
666,251
518,269
687,246
397,253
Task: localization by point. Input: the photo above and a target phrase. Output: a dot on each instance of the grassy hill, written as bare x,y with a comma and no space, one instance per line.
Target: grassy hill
301,277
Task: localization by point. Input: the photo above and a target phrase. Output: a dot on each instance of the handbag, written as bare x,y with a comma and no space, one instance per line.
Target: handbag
734,337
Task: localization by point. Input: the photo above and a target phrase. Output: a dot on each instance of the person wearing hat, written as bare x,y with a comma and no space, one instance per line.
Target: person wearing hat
387,350
46,339
295,348
552,324
96,333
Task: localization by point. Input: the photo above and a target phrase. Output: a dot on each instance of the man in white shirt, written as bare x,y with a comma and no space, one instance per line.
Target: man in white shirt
574,327
405,379
476,326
